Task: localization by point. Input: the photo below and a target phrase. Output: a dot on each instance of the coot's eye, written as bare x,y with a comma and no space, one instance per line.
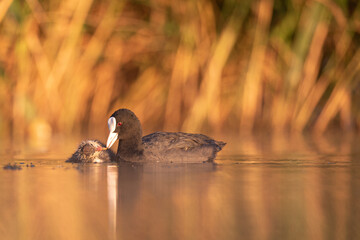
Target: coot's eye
119,123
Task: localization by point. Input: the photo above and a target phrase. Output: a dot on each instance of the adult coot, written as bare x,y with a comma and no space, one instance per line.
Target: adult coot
92,151
159,146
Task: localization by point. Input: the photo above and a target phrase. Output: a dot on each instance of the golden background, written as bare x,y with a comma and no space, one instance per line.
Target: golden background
210,66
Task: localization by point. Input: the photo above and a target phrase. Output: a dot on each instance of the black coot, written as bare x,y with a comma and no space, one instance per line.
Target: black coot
159,146
92,151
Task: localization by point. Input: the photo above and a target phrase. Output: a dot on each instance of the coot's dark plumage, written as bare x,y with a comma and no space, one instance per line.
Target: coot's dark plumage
92,151
159,146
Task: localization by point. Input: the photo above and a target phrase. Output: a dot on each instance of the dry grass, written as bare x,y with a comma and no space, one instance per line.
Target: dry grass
180,65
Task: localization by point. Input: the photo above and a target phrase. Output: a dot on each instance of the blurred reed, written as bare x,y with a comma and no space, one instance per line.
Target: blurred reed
228,65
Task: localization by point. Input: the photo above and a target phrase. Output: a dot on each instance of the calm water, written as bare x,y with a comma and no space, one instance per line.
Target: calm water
260,188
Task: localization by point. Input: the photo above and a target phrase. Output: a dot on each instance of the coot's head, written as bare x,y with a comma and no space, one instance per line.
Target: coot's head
123,124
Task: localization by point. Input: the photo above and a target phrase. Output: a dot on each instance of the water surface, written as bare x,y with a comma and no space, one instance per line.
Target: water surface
259,188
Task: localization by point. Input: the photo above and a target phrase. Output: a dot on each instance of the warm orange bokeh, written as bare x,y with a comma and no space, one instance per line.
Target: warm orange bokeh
179,65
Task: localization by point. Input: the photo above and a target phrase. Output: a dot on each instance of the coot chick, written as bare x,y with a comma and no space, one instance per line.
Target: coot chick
159,146
92,151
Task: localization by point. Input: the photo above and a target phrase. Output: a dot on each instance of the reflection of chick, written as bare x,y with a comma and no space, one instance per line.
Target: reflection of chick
91,151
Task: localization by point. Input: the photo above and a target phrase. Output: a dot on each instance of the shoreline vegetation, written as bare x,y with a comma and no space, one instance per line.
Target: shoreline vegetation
197,66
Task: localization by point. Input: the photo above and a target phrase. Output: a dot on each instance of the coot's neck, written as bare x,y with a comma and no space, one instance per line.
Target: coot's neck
130,148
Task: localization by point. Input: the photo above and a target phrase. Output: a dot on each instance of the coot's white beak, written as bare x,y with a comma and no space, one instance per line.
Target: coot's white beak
113,135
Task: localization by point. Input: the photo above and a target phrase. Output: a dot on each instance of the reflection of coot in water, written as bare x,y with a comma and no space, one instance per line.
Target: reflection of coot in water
91,151
159,146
